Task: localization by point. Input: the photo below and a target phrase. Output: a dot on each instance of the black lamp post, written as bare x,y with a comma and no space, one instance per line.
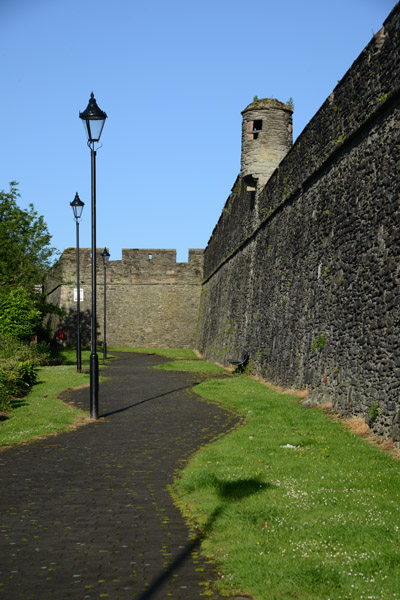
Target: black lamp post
77,207
93,119
106,257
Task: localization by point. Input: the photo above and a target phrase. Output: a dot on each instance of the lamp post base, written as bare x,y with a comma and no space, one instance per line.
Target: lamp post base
94,386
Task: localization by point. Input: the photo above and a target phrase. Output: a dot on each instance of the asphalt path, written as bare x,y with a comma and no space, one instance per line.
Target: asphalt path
87,514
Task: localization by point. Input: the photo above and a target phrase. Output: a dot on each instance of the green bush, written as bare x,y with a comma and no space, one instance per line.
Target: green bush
27,373
18,369
20,316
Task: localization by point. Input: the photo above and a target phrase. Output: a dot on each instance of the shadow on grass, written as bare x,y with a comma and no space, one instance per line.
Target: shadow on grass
68,356
231,491
18,402
228,491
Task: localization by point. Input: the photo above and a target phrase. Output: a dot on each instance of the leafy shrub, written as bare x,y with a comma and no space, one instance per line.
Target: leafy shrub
27,373
45,354
20,316
18,369
5,400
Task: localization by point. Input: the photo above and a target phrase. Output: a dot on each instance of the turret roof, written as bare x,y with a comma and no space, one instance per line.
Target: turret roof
264,103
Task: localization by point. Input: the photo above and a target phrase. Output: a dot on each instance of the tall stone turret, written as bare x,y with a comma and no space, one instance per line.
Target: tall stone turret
266,138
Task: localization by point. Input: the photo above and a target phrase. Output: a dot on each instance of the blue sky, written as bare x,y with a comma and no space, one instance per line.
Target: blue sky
173,77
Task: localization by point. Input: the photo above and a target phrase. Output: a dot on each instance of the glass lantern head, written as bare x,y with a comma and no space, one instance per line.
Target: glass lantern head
93,119
77,207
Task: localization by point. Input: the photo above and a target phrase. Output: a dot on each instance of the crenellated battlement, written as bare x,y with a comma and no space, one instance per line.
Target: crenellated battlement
152,300
137,266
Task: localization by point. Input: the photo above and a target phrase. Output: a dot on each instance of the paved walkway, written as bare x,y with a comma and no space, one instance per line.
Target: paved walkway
87,514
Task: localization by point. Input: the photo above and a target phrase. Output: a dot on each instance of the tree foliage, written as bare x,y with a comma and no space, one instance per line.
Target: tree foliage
20,316
25,257
25,251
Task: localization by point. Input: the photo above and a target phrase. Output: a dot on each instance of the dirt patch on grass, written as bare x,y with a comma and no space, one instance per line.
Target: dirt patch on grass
80,421
358,426
302,394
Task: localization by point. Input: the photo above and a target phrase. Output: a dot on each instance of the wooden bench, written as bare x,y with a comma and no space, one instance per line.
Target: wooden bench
241,363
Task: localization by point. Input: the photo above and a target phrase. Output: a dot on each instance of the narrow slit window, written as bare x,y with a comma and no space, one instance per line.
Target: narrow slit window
257,127
253,128
251,188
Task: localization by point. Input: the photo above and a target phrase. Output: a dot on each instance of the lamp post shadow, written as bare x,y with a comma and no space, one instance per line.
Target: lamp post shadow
228,492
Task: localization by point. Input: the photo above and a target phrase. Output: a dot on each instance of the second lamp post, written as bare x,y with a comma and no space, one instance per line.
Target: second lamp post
77,207
93,119
106,257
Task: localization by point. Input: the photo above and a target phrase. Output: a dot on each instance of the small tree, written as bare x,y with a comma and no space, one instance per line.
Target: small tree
25,257
25,251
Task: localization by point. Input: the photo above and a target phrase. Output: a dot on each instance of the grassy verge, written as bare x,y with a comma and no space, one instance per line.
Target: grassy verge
168,352
192,366
68,356
292,505
41,412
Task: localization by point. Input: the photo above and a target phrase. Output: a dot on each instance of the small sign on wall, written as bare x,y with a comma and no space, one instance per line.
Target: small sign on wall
76,295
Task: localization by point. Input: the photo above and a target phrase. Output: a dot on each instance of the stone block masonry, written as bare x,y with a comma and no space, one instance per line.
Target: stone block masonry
152,301
306,275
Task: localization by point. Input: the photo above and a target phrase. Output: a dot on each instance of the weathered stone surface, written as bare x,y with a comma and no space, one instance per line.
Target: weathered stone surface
307,276
152,300
266,138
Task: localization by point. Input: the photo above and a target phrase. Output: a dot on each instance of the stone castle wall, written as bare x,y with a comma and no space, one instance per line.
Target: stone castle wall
152,301
307,276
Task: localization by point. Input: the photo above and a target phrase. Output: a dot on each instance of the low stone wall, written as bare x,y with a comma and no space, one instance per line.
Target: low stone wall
307,279
152,301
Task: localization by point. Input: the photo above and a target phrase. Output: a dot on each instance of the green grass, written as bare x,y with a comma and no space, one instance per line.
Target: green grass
68,356
168,352
192,366
41,412
291,504
319,520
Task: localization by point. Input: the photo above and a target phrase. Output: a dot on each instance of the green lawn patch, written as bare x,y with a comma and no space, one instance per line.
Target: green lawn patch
192,366
41,412
68,356
292,505
168,352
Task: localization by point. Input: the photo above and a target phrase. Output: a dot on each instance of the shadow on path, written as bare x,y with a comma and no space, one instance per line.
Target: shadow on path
229,491
119,410
159,581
